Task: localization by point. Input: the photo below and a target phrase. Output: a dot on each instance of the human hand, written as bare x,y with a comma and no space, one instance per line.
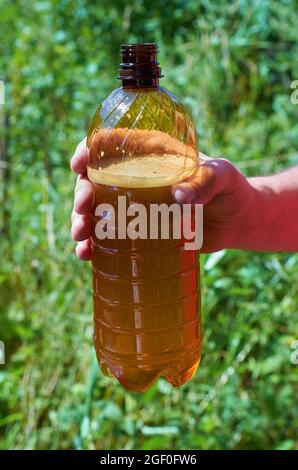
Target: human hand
227,198
83,202
224,191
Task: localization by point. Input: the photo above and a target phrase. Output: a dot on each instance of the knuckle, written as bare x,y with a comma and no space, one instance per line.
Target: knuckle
224,162
206,175
226,165
81,145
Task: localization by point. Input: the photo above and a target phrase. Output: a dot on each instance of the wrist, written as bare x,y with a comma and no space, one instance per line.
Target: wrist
256,222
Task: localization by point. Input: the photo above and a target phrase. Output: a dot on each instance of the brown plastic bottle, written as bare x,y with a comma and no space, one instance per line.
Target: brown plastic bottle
146,291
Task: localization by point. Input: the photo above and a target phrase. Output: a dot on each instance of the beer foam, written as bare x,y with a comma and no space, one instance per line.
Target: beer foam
142,171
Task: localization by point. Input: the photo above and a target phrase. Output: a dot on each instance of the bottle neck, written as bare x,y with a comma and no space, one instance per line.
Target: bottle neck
139,67
141,83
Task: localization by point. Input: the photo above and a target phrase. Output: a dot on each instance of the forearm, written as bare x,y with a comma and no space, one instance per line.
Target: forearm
271,223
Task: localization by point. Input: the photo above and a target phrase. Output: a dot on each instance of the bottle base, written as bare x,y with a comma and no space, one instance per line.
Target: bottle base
136,379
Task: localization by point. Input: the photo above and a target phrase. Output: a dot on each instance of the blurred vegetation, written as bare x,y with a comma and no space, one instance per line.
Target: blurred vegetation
232,62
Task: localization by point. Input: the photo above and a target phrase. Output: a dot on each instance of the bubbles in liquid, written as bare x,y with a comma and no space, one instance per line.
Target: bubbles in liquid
142,171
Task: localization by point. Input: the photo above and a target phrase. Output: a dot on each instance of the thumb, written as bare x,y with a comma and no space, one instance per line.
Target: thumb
212,177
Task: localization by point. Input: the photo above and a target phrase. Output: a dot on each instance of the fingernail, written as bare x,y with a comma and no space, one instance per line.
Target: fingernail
182,196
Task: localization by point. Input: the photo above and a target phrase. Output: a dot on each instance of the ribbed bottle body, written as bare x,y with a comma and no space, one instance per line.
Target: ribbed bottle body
146,299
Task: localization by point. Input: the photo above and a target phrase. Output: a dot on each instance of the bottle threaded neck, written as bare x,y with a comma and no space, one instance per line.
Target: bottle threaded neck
139,66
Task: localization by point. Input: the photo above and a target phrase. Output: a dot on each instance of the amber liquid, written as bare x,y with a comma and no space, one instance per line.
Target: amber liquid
146,300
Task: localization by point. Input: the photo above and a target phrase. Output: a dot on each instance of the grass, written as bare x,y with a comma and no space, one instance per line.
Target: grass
232,63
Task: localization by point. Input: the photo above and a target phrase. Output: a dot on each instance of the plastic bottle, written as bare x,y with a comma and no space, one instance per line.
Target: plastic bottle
146,291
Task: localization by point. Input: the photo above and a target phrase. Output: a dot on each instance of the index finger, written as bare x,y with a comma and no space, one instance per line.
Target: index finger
79,160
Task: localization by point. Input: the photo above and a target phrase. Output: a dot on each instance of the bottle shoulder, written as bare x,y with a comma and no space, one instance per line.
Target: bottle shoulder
141,138
147,109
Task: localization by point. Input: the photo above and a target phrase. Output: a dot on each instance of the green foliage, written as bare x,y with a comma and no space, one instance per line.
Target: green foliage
232,63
